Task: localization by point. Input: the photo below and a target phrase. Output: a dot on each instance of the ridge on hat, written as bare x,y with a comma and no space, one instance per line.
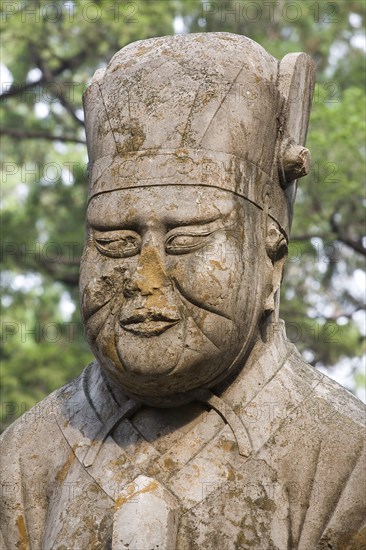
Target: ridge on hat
201,109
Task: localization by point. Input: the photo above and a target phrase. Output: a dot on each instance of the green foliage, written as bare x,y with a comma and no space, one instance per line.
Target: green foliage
51,50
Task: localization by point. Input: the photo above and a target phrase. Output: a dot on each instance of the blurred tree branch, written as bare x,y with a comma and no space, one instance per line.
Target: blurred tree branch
18,133
47,76
356,245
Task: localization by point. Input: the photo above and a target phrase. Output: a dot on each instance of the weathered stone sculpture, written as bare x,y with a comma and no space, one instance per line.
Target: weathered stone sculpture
198,425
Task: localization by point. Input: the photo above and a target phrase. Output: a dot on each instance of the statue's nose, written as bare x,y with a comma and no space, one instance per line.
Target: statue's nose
150,276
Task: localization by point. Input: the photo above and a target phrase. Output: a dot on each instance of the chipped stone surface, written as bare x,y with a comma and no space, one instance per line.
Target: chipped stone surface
198,425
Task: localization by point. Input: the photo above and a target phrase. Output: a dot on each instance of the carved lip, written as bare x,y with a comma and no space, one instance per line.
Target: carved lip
149,324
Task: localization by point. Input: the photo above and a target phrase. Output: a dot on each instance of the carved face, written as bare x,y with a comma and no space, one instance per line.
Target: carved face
173,284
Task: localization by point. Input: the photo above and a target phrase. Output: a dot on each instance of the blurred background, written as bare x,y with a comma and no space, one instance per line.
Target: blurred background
50,50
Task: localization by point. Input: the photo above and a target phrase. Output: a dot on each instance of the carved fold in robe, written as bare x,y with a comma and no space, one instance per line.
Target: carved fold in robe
301,487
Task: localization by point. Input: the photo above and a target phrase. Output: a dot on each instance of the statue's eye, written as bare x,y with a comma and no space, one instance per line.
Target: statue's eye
183,243
118,244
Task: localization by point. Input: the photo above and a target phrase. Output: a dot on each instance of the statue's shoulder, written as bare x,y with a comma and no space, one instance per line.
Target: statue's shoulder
325,398
40,425
319,451
36,459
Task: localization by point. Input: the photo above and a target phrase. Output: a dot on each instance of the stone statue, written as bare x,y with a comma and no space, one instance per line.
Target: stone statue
198,426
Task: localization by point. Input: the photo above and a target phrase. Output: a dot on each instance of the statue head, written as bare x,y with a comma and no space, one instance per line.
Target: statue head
195,143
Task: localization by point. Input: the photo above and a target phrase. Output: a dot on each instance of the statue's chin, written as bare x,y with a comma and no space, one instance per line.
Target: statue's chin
150,355
168,385
172,361
161,370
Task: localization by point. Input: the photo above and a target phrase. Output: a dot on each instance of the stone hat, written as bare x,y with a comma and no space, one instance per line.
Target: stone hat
210,109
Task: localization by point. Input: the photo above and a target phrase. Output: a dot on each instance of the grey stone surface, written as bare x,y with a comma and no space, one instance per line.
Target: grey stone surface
146,515
198,425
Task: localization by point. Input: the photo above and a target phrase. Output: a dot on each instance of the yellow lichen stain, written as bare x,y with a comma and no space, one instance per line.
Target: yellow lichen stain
182,153
151,274
231,474
64,470
152,470
142,50
138,136
227,445
122,499
265,504
217,264
23,535
169,464
172,207
173,55
122,66
120,461
215,280
119,477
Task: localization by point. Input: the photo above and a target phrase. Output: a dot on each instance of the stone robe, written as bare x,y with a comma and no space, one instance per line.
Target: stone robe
301,487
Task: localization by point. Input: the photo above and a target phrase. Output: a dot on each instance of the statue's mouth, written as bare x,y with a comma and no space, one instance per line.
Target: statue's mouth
148,324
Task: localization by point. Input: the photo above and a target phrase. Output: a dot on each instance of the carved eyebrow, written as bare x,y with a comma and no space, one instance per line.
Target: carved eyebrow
197,220
205,227
193,222
103,227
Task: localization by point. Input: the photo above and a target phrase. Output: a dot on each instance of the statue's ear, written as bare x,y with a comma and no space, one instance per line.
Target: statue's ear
296,81
276,249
